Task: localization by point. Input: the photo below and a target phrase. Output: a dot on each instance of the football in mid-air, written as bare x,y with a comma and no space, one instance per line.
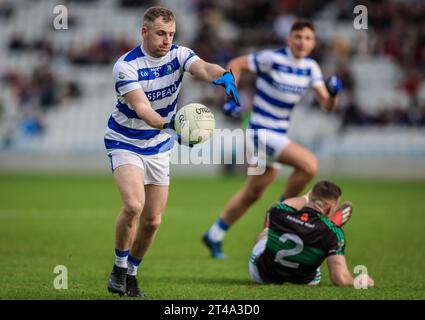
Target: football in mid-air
195,123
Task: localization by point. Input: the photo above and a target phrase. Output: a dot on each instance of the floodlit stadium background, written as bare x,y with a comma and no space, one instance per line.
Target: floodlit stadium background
58,202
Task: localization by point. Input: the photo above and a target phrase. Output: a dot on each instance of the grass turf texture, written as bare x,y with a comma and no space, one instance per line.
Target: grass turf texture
51,220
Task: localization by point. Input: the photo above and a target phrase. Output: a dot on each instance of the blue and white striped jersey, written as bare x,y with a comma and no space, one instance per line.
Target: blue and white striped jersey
160,79
282,80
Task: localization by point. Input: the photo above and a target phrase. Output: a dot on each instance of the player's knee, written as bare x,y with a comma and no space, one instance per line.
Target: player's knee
150,225
133,209
311,168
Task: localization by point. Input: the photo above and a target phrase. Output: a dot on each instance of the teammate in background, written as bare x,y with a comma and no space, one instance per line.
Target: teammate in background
283,77
147,83
299,236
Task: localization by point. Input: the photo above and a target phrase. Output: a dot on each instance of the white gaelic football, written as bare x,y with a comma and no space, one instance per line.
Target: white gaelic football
195,123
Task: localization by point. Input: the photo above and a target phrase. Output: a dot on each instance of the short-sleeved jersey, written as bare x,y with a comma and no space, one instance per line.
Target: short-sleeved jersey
297,244
282,80
160,79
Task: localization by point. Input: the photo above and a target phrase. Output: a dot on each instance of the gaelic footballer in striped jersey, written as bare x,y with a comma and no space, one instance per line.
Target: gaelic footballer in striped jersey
283,76
139,136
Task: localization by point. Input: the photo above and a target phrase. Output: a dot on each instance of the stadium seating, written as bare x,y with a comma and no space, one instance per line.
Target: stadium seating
77,126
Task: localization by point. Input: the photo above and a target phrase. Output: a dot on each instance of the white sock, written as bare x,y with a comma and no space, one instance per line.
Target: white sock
218,231
133,265
121,258
132,269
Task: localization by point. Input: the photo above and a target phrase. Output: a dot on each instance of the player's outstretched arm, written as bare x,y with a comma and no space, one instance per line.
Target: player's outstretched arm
327,92
138,100
205,70
217,75
238,65
339,273
209,71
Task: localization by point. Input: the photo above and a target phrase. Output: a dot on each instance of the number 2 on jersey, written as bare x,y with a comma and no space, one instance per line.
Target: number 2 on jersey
281,254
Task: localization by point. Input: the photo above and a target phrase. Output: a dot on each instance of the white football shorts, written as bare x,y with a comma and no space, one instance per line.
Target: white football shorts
156,167
267,145
258,249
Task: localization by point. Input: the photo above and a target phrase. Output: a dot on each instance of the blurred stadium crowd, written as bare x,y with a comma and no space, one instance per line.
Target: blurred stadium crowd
394,41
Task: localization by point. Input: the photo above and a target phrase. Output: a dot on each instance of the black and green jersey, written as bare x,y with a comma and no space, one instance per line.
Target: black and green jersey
297,244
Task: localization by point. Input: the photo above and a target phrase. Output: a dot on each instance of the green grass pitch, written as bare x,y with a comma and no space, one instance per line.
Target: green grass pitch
49,220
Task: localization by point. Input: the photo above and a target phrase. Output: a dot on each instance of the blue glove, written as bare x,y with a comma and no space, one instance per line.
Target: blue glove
334,85
171,126
231,109
227,80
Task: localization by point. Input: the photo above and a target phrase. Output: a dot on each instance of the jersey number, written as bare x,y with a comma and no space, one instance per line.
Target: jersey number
281,254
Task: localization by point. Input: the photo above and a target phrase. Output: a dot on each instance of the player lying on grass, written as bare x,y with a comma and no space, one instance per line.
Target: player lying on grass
299,236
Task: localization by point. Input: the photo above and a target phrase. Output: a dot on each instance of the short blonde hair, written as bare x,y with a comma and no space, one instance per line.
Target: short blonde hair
152,13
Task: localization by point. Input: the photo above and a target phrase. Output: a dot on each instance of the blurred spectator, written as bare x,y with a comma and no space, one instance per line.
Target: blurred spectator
6,9
83,1
17,43
411,84
37,93
2,108
103,51
136,3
